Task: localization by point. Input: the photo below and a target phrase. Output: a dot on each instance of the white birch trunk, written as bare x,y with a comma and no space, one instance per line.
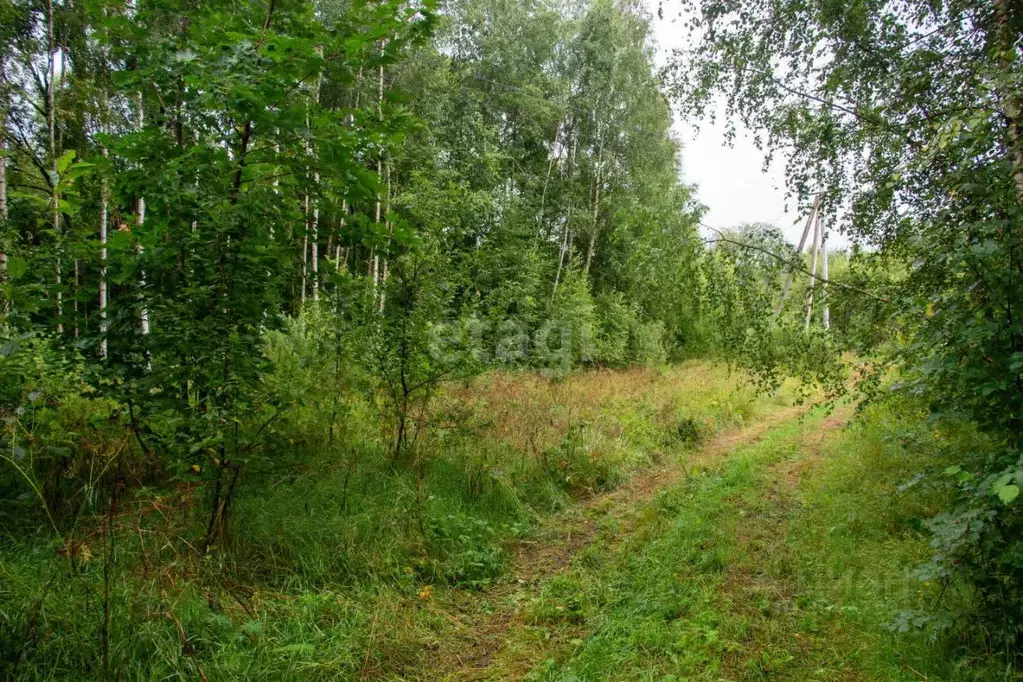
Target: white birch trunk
51,121
340,231
140,220
4,305
1012,107
596,207
104,226
305,248
387,210
567,236
315,251
316,208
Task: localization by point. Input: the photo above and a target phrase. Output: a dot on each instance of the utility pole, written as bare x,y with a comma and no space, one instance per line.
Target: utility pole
799,249
814,256
824,282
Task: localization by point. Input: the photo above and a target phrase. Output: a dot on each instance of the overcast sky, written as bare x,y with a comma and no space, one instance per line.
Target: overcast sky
730,180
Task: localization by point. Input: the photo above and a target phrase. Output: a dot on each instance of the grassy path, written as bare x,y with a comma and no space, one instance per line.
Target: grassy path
777,551
780,551
508,632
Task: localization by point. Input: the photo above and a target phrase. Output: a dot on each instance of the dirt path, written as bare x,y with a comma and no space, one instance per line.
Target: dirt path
759,585
482,622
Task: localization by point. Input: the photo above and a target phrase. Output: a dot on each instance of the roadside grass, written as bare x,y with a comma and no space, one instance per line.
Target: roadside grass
340,566
790,559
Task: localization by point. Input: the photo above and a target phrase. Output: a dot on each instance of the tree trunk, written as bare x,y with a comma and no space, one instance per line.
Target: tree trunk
1012,108
567,236
561,259
315,251
74,299
316,210
596,208
555,156
380,162
340,233
4,304
104,213
305,249
387,210
305,215
140,219
51,121
104,220
826,310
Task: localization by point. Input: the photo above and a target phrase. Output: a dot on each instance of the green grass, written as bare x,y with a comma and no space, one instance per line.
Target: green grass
789,560
331,548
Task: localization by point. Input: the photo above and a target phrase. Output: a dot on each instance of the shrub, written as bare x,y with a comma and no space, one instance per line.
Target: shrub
649,343
617,321
690,431
571,326
465,550
576,465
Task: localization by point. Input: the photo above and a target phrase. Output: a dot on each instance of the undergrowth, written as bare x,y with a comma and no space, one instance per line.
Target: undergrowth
335,551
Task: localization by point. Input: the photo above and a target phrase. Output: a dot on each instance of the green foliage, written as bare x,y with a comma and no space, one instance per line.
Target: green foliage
331,546
249,246
690,431
578,466
931,91
567,337
649,344
786,559
617,322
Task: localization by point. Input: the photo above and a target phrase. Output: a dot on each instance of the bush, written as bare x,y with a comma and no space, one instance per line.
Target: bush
60,436
648,343
690,431
575,465
617,321
465,551
571,326
623,339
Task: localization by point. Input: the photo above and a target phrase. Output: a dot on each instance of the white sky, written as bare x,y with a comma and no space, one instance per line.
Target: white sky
729,179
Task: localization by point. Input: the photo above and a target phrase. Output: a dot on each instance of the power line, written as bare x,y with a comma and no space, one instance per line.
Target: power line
791,263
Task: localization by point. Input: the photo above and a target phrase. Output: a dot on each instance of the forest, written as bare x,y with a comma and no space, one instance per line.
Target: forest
386,339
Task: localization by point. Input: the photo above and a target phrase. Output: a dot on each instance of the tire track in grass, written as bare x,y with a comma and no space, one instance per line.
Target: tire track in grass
662,607
759,595
482,623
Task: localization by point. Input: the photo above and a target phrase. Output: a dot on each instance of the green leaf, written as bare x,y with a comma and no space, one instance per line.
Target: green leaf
1002,481
64,162
1008,493
16,268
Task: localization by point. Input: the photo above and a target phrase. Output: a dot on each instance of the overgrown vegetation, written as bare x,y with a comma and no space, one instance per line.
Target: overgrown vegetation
310,309
332,547
906,118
